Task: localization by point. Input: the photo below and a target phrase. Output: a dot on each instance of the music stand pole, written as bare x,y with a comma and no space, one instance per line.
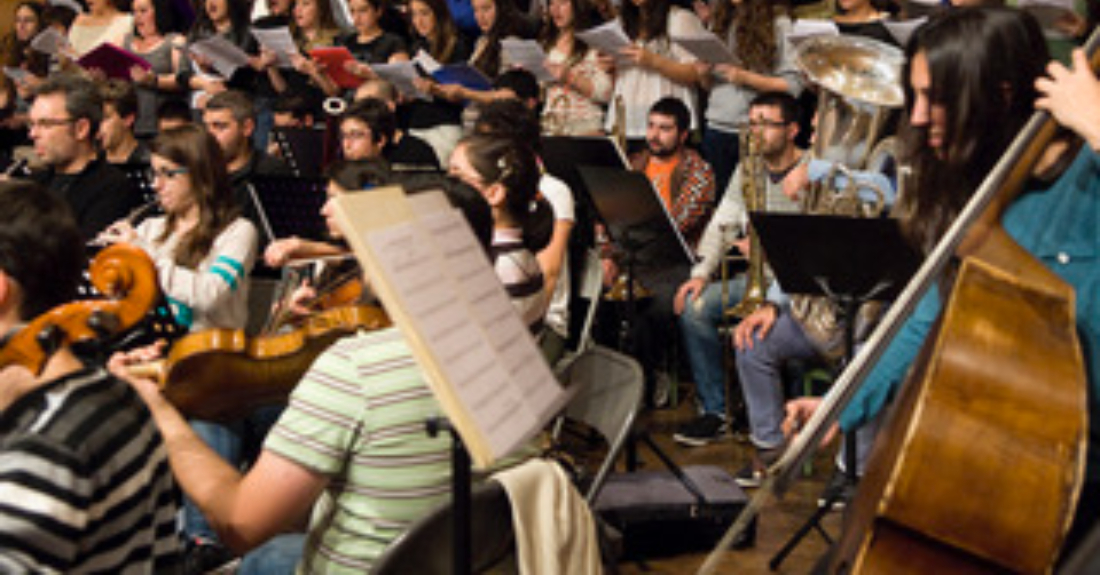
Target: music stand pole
461,527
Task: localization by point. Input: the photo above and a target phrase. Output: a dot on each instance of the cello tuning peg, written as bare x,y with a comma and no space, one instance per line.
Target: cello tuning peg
104,323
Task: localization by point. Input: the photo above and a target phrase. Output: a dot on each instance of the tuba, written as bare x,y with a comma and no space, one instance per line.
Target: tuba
861,91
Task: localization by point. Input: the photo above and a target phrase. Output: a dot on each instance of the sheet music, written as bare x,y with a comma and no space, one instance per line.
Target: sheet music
706,48
454,309
50,41
527,54
903,30
401,75
608,38
804,29
279,41
223,55
426,62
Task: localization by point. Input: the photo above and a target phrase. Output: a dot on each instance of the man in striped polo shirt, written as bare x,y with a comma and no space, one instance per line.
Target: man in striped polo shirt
352,441
84,478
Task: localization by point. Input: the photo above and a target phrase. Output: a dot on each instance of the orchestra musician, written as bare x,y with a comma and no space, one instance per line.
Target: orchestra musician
959,124
363,400
71,484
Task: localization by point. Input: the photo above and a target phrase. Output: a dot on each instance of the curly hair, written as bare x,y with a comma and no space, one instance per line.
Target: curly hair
753,25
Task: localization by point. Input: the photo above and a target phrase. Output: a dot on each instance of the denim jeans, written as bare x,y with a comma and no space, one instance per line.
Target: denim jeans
238,443
699,324
279,556
760,370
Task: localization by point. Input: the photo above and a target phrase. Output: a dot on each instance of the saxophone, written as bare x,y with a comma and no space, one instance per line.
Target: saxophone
753,188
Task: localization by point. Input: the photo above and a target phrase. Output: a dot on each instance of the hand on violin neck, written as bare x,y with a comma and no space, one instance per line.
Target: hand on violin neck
137,367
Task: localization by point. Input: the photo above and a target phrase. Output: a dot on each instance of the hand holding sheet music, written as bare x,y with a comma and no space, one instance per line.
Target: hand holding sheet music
707,48
527,54
279,41
222,55
608,38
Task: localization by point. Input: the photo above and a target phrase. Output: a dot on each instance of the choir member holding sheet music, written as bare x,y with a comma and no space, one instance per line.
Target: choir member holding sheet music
436,120
369,43
575,101
755,32
103,22
156,39
652,66
497,20
223,18
20,62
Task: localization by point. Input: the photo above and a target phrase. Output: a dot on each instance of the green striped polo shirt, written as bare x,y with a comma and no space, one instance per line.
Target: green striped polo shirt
358,418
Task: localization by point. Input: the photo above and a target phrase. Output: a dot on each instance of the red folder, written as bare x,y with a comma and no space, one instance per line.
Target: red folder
333,60
113,61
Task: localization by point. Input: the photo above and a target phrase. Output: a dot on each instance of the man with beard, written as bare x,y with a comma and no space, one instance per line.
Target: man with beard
685,183
773,118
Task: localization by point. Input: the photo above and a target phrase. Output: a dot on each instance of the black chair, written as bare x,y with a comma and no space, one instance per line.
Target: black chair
426,548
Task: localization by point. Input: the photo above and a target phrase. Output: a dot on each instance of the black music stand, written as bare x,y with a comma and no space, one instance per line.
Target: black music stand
290,206
302,148
851,261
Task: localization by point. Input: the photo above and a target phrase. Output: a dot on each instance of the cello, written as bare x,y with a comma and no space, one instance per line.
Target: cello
1004,422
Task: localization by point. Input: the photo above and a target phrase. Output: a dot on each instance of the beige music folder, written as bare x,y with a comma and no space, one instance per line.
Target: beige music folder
436,283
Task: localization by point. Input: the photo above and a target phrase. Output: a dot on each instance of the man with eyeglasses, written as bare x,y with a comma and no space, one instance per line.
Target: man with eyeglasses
64,122
773,118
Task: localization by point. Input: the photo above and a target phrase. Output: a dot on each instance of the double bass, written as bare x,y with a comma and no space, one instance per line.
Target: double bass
980,467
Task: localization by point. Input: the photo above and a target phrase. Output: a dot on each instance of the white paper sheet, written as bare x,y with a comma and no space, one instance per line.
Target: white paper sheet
527,54
608,38
50,41
706,48
223,55
279,41
401,75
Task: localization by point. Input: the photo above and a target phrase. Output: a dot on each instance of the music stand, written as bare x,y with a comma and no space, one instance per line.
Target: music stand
851,261
290,206
302,148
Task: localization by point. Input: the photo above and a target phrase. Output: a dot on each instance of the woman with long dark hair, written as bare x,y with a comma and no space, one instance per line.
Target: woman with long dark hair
156,37
202,248
575,101
437,121
16,53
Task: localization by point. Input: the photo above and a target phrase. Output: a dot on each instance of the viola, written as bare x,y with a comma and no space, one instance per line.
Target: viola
123,273
222,374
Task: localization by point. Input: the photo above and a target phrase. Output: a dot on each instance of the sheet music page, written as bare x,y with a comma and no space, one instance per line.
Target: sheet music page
808,28
436,281
223,55
426,62
707,48
279,41
50,41
608,38
401,75
901,31
527,54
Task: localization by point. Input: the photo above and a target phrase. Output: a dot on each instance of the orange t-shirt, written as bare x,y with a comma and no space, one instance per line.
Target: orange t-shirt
659,173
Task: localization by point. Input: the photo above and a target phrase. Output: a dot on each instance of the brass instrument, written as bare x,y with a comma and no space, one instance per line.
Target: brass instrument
753,190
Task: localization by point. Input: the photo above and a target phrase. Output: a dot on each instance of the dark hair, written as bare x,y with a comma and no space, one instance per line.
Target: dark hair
470,201
174,109
41,246
167,17
203,27
585,16
295,104
121,95
522,82
787,104
357,175
82,98
985,101
14,51
56,14
444,41
194,149
509,118
507,23
238,103
376,115
326,17
648,22
513,165
676,109
753,23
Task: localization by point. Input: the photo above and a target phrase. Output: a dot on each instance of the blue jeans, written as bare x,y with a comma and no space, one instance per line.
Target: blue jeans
699,324
279,556
761,379
721,150
238,443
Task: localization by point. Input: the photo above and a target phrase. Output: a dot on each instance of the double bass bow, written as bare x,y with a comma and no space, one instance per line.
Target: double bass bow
885,529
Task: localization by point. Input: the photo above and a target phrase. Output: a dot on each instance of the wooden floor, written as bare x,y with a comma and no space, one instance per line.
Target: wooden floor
775,526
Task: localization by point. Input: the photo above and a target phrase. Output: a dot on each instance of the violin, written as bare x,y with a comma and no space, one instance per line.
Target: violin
123,273
343,287
222,374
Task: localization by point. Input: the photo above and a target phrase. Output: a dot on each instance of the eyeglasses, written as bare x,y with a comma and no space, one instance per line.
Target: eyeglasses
758,123
165,173
48,123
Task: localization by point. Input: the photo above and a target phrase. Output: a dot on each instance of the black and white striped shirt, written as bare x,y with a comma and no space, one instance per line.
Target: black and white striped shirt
85,485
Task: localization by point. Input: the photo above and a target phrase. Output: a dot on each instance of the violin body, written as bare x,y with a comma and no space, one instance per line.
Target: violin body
979,468
222,374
